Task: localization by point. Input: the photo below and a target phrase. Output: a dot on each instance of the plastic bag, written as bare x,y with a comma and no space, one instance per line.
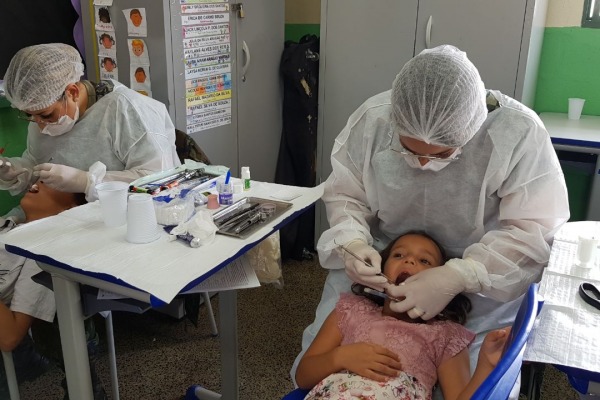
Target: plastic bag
265,259
199,230
173,210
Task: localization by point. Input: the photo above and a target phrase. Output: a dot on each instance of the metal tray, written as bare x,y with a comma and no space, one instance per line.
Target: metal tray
224,219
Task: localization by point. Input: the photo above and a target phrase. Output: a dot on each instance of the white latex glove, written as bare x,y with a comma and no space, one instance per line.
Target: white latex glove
358,271
427,293
8,172
62,177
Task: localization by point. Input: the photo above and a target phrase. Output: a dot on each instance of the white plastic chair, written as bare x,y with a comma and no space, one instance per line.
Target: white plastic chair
11,375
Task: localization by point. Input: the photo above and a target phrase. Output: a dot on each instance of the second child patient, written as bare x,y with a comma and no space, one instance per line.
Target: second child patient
364,350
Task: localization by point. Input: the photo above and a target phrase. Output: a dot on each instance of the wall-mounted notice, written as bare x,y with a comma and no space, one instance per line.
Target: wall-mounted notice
108,68
103,19
138,52
209,84
106,44
198,19
204,30
201,1
136,21
204,8
208,61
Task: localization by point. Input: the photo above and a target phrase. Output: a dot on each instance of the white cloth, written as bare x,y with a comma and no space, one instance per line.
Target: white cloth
19,292
131,134
499,204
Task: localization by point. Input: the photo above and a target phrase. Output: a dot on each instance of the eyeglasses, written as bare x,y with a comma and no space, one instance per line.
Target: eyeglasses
441,157
49,120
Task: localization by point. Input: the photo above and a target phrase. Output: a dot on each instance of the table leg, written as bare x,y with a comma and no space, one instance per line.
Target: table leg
229,344
72,337
593,211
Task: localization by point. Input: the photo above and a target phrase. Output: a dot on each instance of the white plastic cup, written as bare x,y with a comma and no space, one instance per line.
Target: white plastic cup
587,249
113,202
575,108
141,219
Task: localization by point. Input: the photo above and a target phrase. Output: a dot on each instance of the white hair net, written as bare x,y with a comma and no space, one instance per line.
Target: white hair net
38,75
438,97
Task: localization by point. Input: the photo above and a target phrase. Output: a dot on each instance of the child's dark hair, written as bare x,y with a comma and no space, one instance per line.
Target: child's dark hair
456,310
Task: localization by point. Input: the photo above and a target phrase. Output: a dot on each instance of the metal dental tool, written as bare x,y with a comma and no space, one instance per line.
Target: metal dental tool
253,219
379,294
368,264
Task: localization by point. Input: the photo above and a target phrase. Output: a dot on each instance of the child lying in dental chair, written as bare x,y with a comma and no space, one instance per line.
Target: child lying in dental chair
364,350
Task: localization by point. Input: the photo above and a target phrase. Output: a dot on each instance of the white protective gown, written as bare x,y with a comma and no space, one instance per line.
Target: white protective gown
500,204
130,134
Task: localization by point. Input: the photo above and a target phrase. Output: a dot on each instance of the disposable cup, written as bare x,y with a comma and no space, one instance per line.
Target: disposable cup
212,202
575,108
141,219
113,202
587,250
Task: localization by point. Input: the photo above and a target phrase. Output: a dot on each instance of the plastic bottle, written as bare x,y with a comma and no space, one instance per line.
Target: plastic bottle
246,177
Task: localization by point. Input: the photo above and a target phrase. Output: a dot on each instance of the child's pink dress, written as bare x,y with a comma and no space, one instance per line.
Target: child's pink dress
421,348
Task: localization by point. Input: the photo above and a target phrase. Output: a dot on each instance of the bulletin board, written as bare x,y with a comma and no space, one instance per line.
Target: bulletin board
144,48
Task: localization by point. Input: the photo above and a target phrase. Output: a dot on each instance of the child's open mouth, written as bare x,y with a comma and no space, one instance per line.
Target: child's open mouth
402,277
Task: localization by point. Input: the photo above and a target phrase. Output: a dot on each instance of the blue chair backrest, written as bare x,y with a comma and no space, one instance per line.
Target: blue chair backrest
501,381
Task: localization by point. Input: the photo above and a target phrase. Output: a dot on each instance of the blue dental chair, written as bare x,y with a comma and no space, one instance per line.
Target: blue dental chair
501,381
499,384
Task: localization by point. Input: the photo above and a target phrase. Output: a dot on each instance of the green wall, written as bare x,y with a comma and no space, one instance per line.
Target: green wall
296,31
569,68
13,136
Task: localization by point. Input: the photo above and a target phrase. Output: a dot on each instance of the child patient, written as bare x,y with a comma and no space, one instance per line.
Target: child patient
21,299
364,350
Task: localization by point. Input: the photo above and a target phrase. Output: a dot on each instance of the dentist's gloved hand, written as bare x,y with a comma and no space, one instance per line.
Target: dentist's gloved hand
62,177
358,271
427,293
8,172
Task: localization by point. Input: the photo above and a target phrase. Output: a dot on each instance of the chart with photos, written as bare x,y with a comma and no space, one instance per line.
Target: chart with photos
207,56
137,30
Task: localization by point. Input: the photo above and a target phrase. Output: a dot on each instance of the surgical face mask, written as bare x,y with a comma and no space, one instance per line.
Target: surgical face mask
63,125
431,165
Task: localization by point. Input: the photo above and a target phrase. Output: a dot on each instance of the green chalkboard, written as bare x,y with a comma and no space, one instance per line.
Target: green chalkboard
13,136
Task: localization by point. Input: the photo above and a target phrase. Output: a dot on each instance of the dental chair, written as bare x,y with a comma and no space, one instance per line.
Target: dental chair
500,383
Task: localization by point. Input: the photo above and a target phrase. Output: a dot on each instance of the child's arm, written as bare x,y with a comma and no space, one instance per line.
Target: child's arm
454,374
453,383
326,356
13,327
